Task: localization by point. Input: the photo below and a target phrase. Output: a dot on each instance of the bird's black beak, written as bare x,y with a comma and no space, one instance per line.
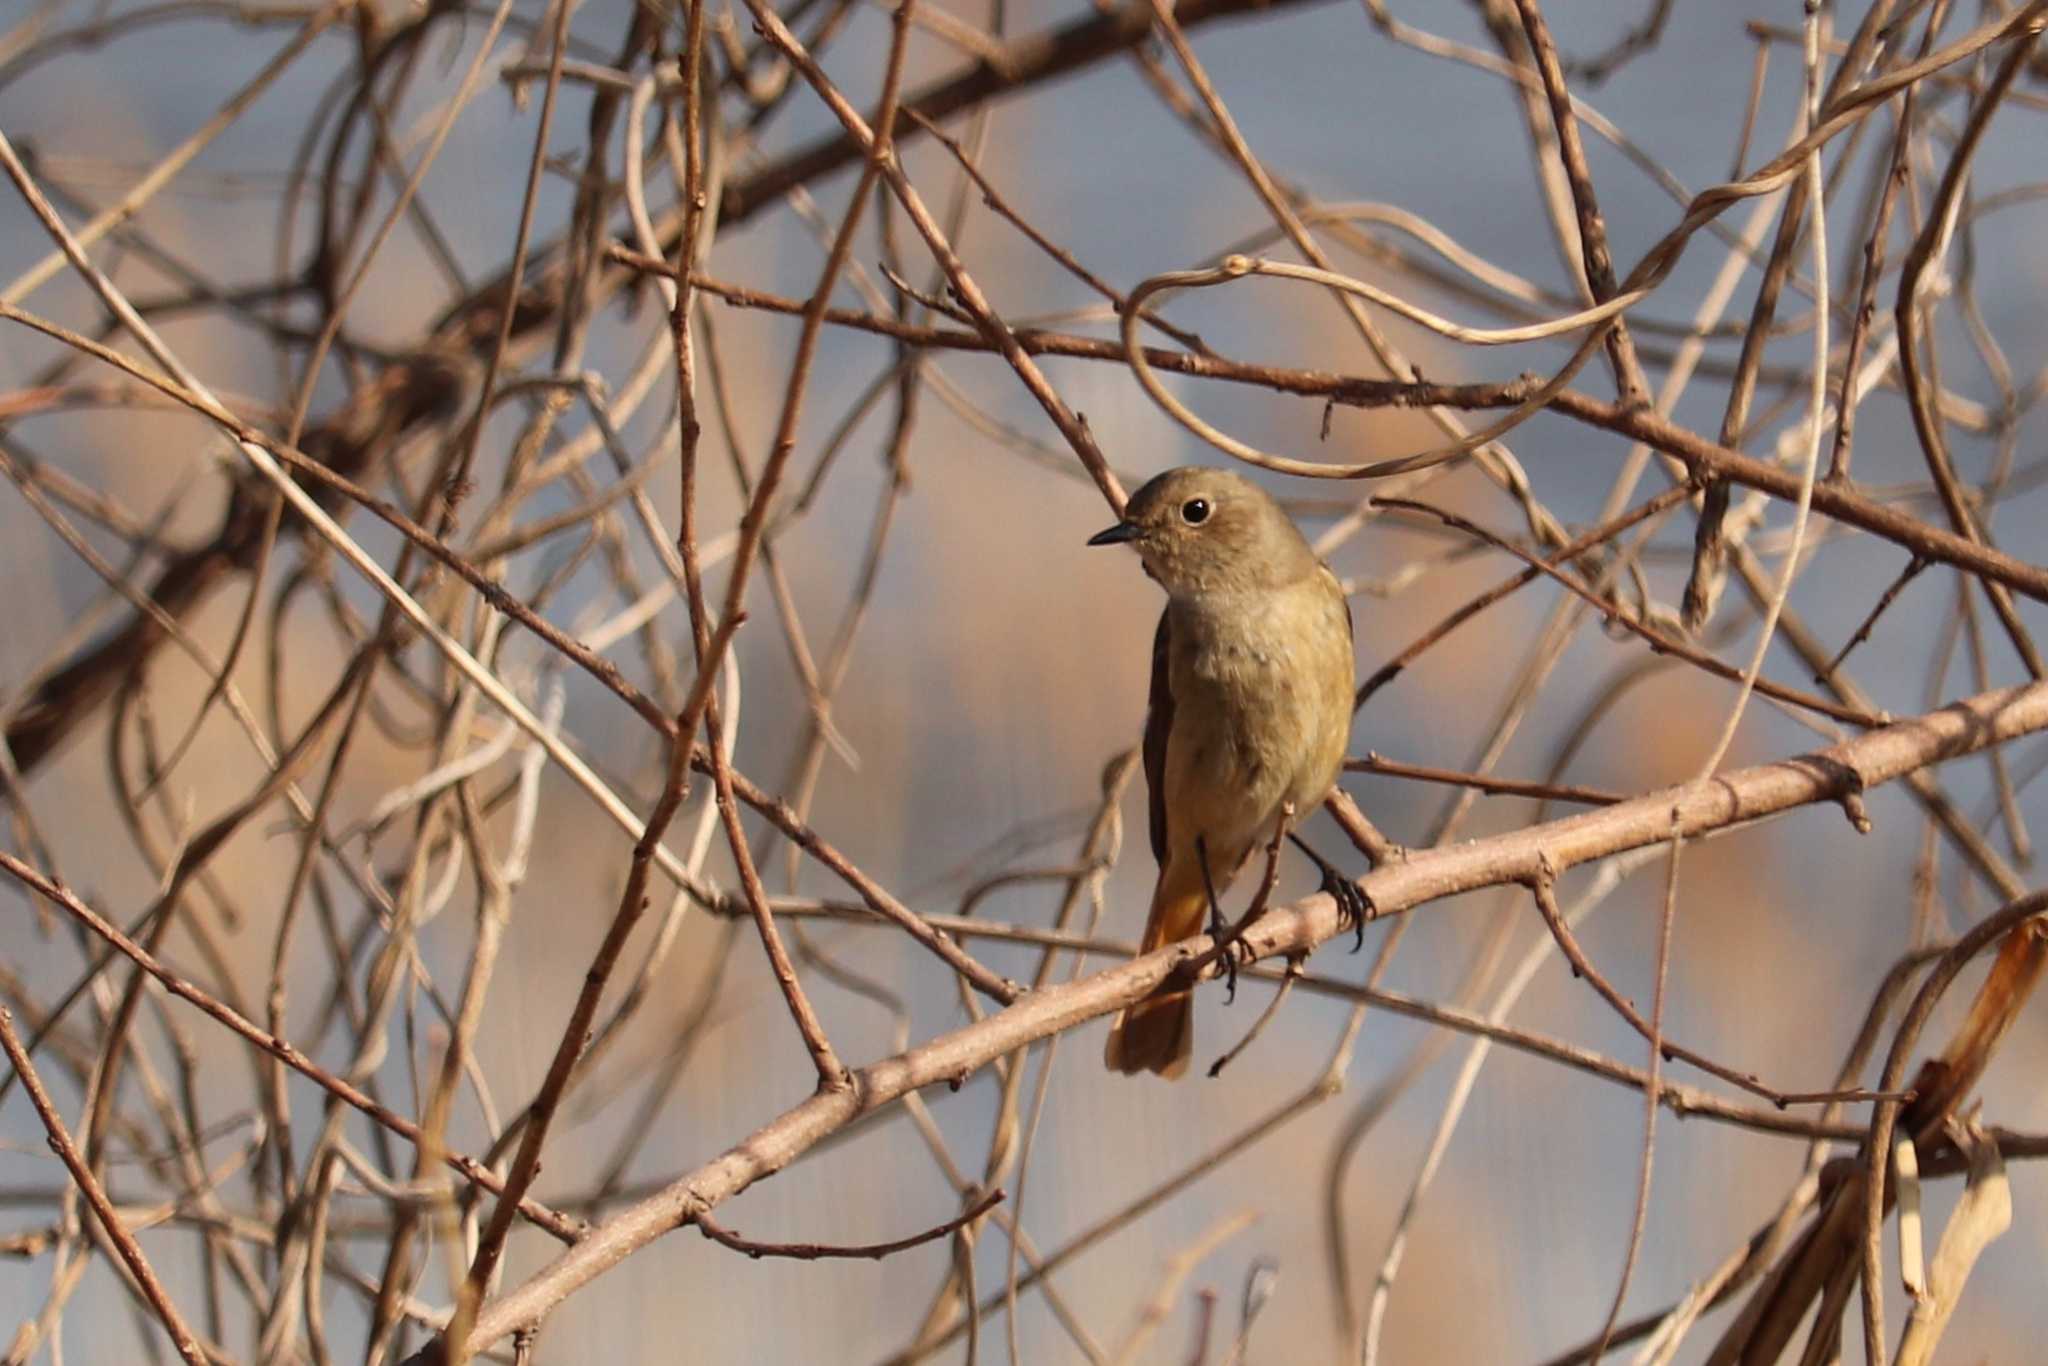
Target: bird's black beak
1116,535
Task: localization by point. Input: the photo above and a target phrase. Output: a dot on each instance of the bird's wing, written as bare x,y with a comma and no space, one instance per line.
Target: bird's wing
1158,725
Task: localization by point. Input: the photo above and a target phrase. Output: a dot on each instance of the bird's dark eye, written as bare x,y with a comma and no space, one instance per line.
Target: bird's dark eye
1195,511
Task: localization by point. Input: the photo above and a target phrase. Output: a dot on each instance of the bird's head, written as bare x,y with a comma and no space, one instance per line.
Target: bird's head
1202,530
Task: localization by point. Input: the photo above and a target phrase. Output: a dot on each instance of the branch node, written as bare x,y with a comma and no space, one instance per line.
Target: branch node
1858,814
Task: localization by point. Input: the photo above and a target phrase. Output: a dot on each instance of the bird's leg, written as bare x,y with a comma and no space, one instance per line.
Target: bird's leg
1216,921
1353,905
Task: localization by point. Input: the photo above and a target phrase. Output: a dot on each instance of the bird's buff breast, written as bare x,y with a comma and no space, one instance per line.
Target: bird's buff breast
1262,711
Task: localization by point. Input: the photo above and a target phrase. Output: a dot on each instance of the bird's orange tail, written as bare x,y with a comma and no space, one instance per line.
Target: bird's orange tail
1157,1034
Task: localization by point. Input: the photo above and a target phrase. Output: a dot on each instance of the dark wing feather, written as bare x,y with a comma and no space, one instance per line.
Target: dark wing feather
1158,724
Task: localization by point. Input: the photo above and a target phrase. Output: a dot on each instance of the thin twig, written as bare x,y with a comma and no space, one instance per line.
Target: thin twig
103,1210
815,1252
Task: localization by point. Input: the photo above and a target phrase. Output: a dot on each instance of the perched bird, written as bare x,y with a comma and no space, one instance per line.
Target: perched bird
1250,712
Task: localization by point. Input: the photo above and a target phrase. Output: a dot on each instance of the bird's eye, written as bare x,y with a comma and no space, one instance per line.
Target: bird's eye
1195,511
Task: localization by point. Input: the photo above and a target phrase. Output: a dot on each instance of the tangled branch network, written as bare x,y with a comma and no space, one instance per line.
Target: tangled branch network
553,695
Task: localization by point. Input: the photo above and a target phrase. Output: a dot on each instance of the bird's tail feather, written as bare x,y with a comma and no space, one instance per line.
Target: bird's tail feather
1154,1035
1157,1034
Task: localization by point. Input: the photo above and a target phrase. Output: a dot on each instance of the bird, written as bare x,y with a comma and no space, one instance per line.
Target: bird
1247,721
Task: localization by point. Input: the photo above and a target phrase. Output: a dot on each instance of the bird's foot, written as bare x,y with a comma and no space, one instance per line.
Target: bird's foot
1220,930
1354,907
1229,948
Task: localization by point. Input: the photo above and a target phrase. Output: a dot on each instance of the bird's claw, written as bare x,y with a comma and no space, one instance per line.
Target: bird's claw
1354,907
1229,944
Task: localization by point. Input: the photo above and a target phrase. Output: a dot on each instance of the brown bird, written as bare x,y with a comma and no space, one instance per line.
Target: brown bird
1250,712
